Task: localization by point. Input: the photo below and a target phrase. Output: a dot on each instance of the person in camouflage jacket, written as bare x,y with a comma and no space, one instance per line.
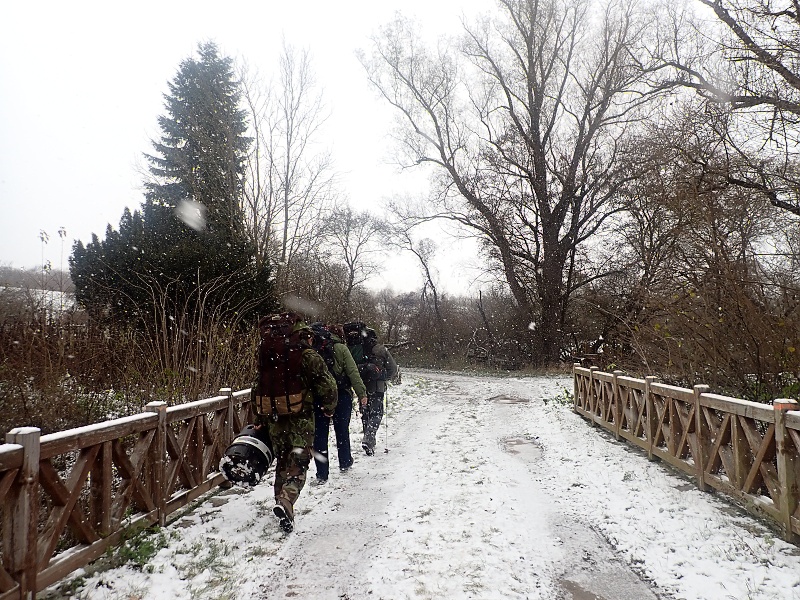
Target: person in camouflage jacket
293,435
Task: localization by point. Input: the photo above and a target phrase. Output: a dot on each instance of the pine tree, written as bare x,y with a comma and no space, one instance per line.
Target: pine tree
199,159
159,257
202,151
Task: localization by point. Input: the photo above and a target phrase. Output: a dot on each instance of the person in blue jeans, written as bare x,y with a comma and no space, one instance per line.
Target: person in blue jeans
328,343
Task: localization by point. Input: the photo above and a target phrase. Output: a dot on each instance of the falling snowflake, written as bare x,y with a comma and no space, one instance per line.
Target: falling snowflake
192,213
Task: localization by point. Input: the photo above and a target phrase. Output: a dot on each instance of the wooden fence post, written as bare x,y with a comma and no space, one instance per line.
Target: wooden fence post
615,400
158,477
228,432
575,386
651,417
699,449
22,515
592,396
787,467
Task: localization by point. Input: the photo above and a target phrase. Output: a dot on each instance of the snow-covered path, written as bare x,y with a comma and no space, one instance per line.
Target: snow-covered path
491,488
438,516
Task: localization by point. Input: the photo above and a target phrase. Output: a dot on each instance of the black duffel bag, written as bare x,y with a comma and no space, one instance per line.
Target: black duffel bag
247,459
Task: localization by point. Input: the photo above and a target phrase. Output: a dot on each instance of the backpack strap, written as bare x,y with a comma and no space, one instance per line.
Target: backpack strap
287,373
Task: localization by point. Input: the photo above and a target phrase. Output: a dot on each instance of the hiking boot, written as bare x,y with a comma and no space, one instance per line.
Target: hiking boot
319,481
369,450
285,516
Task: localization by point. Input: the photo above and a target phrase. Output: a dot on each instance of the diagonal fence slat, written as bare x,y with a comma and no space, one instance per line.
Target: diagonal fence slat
65,497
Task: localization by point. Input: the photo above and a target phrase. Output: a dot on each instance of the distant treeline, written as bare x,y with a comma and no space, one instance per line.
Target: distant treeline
53,280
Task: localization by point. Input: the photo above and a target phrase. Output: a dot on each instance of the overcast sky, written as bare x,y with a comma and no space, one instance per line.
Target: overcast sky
82,84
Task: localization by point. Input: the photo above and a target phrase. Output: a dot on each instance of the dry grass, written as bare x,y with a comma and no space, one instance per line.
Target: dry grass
60,370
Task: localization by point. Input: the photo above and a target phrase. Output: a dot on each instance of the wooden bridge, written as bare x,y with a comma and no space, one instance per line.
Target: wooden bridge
67,497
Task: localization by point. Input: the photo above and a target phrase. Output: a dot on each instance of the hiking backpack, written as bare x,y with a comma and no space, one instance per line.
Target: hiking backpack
354,333
279,389
323,344
361,340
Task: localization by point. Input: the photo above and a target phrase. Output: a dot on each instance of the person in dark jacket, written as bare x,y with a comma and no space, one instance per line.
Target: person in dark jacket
376,366
328,343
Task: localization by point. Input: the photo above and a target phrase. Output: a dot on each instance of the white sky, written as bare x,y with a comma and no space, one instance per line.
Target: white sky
478,497
81,87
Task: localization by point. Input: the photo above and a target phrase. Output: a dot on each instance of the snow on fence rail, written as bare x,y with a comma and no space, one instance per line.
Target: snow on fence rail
66,497
746,450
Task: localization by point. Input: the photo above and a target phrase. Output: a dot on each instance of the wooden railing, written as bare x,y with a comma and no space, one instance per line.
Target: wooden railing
746,450
68,496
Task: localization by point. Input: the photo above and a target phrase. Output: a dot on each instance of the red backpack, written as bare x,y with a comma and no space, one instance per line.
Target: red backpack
280,390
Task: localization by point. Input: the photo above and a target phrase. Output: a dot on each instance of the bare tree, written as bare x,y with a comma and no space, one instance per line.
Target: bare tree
699,295
747,64
523,128
290,183
395,311
424,251
352,238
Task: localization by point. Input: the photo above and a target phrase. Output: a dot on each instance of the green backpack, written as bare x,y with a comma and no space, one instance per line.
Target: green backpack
360,341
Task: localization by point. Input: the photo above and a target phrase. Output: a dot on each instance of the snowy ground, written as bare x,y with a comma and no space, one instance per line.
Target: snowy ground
492,488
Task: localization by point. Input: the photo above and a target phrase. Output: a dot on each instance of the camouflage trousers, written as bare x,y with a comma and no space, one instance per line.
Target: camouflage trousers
371,416
292,438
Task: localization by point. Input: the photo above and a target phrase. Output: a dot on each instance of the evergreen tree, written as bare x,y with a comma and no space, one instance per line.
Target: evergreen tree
164,258
202,151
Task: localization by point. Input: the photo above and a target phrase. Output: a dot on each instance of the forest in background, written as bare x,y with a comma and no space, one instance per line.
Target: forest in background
629,172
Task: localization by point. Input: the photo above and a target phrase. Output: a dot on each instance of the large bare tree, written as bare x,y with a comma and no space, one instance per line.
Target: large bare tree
523,127
353,240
